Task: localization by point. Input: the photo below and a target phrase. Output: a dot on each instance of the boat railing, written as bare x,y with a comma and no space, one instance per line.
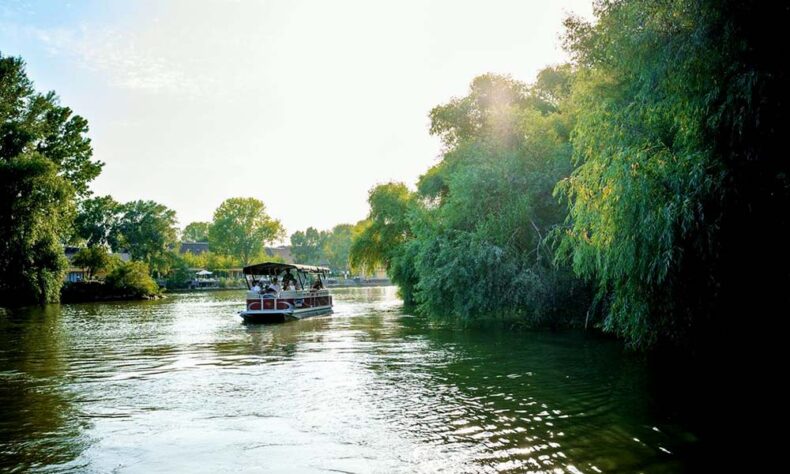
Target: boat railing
295,293
285,295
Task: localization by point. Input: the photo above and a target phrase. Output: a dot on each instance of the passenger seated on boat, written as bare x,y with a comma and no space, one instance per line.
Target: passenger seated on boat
318,285
257,287
273,287
289,279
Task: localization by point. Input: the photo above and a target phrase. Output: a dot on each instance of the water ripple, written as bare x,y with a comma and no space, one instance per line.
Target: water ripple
181,385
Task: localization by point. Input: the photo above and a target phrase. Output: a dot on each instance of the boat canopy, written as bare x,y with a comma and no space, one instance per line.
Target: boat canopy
275,268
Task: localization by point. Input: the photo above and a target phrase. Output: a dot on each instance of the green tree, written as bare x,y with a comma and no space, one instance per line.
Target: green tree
147,230
97,220
131,279
679,192
241,228
337,246
491,211
383,237
35,204
196,232
45,163
386,228
94,259
210,261
307,247
476,239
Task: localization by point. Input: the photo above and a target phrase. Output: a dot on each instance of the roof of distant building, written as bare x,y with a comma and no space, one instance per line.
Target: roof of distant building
195,248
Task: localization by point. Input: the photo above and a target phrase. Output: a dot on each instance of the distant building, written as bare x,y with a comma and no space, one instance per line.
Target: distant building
78,274
73,273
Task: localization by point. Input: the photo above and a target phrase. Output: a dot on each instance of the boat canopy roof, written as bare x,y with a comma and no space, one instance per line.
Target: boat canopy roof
275,268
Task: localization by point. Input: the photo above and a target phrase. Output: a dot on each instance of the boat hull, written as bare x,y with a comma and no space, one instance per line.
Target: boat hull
288,305
282,316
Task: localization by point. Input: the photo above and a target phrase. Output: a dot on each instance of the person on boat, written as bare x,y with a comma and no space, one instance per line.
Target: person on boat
318,285
257,287
288,279
273,287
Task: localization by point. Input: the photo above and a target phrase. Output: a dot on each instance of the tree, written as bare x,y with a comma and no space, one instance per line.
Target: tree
196,232
35,205
492,212
97,220
131,279
386,226
384,238
307,247
484,216
337,246
95,259
241,228
45,163
210,261
680,192
147,230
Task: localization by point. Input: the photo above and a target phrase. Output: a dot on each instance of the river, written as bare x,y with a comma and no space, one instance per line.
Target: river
181,385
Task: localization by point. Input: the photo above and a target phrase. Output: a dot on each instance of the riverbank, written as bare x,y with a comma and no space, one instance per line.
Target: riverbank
99,291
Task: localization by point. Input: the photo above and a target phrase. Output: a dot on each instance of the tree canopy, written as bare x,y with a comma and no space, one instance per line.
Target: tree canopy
662,136
332,247
94,259
45,165
97,220
147,230
473,240
676,146
241,228
196,232
307,247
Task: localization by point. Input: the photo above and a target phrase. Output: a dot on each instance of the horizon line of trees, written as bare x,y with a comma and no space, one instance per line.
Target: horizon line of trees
237,235
326,247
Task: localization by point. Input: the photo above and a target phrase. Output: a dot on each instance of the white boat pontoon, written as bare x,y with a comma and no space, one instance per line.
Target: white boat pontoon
302,294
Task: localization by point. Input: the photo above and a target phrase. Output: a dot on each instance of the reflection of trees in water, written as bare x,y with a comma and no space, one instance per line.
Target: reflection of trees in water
40,424
537,400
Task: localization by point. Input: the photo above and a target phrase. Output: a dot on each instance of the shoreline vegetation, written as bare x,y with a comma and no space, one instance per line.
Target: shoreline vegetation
126,281
98,291
639,189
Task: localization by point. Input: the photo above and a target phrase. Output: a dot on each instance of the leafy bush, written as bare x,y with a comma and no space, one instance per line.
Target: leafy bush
95,259
131,280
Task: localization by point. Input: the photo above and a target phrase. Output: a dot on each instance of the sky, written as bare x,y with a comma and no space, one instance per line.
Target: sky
305,105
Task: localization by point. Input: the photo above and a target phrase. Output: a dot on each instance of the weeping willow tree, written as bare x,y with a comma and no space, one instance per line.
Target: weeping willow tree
681,182
474,239
382,238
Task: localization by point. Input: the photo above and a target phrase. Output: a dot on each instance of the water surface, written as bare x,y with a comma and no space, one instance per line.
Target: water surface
180,385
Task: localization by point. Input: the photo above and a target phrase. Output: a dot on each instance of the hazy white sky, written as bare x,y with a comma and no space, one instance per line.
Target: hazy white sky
303,104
